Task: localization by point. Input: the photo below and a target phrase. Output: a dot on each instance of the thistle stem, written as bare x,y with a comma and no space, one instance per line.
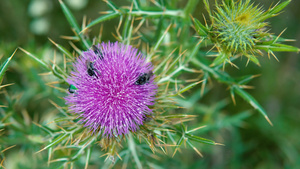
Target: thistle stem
189,8
171,13
171,75
131,145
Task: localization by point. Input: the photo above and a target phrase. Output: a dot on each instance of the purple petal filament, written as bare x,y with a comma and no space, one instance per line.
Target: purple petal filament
110,102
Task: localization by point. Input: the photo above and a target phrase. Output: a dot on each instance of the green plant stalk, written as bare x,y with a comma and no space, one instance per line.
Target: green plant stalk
225,78
131,145
189,8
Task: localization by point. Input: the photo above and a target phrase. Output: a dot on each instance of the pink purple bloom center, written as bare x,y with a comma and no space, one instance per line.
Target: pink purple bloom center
114,88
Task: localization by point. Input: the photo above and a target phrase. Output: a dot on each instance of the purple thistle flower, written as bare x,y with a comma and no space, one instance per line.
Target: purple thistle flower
114,87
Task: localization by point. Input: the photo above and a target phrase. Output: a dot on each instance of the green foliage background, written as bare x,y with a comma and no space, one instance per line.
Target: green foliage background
250,142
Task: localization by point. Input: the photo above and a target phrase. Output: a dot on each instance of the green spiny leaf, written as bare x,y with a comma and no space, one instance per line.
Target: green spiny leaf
62,49
178,144
201,29
72,21
42,63
206,3
219,75
274,10
188,87
277,8
221,58
278,48
4,66
245,79
251,100
158,43
163,62
200,139
193,147
112,5
102,19
176,116
253,59
56,141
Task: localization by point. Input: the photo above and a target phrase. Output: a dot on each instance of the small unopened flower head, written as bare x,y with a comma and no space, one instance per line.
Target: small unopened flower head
112,89
237,25
239,28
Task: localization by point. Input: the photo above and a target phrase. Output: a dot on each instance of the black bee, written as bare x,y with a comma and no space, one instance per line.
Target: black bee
144,78
97,51
90,68
147,118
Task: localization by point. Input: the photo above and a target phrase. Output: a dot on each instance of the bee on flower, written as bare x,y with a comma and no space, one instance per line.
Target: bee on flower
114,91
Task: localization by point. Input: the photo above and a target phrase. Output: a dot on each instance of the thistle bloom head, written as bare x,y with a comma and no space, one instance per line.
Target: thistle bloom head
112,89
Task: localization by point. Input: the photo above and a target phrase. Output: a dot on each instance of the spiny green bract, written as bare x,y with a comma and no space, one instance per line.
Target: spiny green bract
239,28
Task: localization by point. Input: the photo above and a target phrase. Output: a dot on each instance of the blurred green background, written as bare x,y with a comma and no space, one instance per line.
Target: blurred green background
250,143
